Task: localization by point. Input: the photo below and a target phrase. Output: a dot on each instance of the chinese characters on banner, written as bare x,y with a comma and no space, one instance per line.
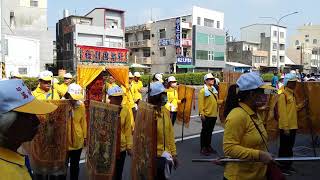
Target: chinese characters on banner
102,54
178,36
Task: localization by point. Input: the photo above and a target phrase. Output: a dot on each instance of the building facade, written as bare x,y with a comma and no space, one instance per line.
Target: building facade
97,37
267,36
28,19
304,47
193,42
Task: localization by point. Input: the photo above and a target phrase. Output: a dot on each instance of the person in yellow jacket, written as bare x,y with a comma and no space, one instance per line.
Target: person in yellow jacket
288,120
208,111
110,82
115,95
166,147
242,139
76,128
18,124
173,101
133,91
63,88
137,84
44,90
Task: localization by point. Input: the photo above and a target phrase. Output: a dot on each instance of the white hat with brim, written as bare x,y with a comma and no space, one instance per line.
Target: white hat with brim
46,75
15,96
75,91
172,79
208,76
130,75
137,74
251,81
159,77
68,76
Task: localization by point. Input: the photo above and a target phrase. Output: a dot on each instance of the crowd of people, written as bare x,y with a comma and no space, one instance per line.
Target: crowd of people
245,136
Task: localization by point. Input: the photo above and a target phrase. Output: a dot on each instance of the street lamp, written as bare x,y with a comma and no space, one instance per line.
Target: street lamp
278,36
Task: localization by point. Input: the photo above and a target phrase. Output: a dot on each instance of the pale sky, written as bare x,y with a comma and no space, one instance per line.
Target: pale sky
238,13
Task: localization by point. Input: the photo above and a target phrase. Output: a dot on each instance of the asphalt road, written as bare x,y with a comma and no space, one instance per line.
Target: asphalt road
189,149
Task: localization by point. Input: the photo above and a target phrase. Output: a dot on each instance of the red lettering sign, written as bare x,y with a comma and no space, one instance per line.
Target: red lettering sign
103,55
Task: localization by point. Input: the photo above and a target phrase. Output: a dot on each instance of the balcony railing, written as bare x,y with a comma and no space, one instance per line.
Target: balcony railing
143,60
138,44
187,42
143,27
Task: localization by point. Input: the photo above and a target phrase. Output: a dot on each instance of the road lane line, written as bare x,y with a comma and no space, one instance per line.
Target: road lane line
196,136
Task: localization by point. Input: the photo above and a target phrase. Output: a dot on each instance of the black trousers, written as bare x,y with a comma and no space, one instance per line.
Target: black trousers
206,131
286,145
161,163
119,165
74,159
173,116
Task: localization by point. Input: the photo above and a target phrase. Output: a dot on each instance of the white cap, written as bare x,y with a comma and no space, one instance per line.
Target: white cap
250,81
46,75
15,96
156,88
137,74
159,77
68,75
15,74
130,75
75,91
208,76
172,79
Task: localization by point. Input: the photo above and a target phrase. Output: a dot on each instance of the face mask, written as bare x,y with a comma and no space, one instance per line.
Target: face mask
173,85
164,100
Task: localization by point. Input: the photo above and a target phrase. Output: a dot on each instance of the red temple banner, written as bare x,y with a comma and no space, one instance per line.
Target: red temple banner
103,54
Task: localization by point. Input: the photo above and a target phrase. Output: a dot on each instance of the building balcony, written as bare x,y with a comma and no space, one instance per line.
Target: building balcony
143,27
139,44
185,25
187,42
143,60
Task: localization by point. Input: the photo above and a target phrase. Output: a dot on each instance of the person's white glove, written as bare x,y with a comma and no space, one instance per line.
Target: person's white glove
136,106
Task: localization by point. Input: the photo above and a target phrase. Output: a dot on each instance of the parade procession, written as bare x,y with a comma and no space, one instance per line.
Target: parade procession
159,90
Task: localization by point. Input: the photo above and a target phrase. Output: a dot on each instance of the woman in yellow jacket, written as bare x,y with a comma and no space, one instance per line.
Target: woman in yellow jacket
173,101
115,95
76,128
166,147
242,139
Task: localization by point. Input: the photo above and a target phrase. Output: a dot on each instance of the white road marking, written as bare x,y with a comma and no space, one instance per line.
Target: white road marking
197,135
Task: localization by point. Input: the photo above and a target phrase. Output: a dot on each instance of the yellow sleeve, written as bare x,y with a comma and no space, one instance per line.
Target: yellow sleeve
170,137
84,122
201,102
234,130
128,131
282,110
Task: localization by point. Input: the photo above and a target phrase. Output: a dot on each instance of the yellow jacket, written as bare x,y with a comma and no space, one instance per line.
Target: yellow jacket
165,136
288,110
127,98
137,86
173,101
126,131
12,166
42,95
77,127
207,106
62,89
242,140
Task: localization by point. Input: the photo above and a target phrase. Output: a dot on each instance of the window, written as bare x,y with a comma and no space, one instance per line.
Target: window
112,23
162,52
68,47
282,59
202,38
199,21
315,41
146,35
297,43
211,39
220,40
307,40
208,22
282,47
23,70
210,55
162,33
307,35
184,34
203,55
275,33
34,3
218,24
281,34
274,46
219,56
146,52
274,59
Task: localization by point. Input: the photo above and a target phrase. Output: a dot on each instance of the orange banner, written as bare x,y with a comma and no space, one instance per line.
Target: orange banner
184,109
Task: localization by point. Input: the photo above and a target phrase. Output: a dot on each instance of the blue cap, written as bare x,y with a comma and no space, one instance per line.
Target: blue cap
115,91
250,81
289,77
156,88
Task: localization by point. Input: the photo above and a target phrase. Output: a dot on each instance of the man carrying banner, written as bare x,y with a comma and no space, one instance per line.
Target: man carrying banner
76,128
166,147
44,90
208,111
18,124
115,97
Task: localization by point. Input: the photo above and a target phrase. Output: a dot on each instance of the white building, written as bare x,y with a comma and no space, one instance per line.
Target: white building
28,18
97,37
267,36
22,56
